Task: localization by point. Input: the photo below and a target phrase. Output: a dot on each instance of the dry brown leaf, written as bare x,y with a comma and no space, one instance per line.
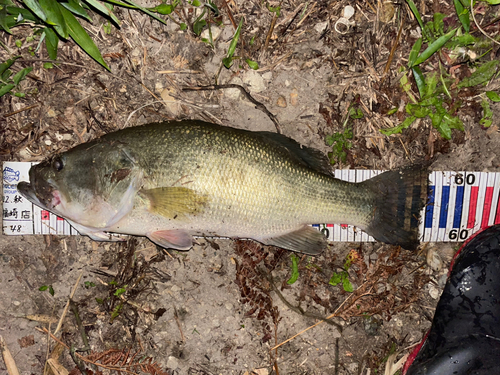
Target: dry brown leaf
56,367
8,359
42,318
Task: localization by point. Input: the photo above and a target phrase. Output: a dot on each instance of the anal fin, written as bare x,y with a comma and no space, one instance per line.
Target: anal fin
306,240
172,239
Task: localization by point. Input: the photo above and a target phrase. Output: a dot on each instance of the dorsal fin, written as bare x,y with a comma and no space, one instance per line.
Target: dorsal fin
307,156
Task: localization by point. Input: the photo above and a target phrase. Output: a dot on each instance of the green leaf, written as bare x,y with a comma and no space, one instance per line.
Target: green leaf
89,284
486,120
7,64
80,36
493,2
398,129
392,111
198,26
336,278
434,47
419,80
119,3
493,96
20,94
463,15
145,11
234,42
6,75
295,270
4,20
252,64
276,10
54,16
51,290
213,8
103,9
417,110
482,74
414,51
21,75
227,61
183,26
43,288
195,3
51,42
74,7
23,14
6,88
35,7
355,112
120,291
116,312
416,13
163,9
346,284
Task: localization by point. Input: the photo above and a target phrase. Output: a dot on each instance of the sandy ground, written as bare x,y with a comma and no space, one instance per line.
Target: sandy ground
187,311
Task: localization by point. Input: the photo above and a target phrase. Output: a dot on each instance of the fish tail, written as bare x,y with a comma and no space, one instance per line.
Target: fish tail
399,198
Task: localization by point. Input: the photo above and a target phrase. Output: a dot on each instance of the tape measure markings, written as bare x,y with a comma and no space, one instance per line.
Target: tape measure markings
459,204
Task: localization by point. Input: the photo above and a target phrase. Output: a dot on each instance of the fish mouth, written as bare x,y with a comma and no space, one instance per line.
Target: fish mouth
27,191
49,200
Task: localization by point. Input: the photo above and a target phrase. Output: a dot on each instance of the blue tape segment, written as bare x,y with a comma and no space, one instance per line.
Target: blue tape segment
459,202
445,199
429,210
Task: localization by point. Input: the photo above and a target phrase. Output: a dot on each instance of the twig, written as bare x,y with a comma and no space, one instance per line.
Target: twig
65,311
259,105
321,321
270,32
179,324
86,346
297,309
307,15
21,110
479,27
393,49
230,14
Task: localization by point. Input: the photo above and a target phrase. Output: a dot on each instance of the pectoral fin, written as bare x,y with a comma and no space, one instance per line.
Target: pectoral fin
306,240
172,239
174,202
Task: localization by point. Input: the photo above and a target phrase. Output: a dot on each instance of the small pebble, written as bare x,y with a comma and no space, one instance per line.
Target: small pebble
434,292
281,102
172,363
348,12
434,259
216,31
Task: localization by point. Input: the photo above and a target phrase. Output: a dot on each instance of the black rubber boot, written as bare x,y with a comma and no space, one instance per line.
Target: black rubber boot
465,333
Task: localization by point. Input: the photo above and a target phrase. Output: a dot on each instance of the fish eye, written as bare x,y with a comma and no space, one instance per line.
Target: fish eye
57,164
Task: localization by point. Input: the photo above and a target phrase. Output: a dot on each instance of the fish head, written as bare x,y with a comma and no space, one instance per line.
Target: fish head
92,185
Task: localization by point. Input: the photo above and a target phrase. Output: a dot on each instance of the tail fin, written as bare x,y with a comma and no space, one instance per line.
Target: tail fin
400,197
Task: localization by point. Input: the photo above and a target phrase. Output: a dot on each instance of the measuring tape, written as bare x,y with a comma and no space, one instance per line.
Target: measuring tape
459,205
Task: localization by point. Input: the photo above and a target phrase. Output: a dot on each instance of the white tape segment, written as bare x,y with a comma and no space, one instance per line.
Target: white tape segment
459,204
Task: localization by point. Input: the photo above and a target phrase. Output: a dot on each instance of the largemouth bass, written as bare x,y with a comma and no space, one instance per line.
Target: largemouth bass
174,180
